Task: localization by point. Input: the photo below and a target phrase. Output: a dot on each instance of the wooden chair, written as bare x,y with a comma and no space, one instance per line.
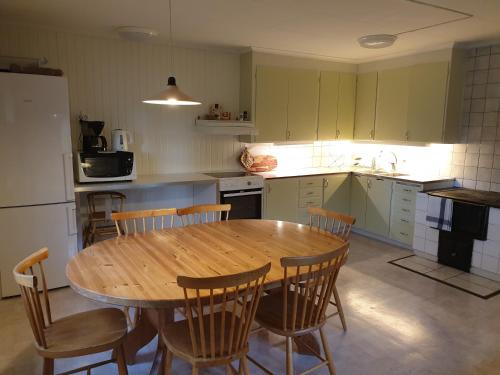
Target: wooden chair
296,311
98,223
141,221
76,335
216,338
201,213
144,220
339,225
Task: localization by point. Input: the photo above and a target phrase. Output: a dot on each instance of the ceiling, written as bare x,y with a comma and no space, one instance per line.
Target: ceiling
321,28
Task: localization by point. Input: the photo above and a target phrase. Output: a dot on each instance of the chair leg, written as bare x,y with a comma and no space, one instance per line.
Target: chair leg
339,307
289,356
120,361
48,366
195,371
244,362
326,349
168,362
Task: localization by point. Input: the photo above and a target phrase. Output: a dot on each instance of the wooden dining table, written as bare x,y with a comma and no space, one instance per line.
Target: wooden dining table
140,270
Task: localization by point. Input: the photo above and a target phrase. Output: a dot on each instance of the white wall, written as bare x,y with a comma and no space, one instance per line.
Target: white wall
108,78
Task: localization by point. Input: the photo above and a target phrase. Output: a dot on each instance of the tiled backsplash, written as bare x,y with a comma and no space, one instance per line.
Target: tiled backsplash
432,161
476,162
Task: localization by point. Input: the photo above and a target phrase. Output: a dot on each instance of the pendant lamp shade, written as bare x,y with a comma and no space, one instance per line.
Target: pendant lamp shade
171,96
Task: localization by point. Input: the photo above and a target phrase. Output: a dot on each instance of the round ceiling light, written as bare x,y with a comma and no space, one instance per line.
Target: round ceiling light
136,34
377,40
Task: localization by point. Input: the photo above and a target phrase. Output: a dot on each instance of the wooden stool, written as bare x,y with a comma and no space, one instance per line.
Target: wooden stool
99,223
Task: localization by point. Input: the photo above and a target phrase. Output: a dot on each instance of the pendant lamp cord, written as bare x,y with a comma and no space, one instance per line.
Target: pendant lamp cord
170,37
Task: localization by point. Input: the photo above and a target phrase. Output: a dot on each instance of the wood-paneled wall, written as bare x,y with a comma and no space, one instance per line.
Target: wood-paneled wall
109,77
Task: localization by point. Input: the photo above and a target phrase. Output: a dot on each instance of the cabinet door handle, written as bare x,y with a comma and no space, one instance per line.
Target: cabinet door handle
406,200
407,135
403,234
371,134
338,134
268,189
288,134
405,210
325,182
404,221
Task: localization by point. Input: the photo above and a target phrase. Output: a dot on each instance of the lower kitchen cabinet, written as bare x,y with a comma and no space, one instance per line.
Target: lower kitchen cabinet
358,199
404,201
282,199
337,193
378,205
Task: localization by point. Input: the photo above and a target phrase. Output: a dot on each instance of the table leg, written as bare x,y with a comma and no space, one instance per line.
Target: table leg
143,332
160,317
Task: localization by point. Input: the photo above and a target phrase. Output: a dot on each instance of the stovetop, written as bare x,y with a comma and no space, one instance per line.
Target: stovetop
228,174
488,198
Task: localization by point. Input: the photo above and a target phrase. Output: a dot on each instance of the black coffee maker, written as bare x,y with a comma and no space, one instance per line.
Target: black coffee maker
92,140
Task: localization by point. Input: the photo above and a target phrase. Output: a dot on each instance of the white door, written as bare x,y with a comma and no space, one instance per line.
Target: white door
28,229
35,140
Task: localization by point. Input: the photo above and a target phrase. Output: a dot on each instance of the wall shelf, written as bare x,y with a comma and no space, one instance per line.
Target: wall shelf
226,127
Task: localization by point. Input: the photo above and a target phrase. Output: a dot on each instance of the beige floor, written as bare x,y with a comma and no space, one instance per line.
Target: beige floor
399,323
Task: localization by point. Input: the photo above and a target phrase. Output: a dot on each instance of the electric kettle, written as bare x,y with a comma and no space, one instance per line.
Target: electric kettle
120,139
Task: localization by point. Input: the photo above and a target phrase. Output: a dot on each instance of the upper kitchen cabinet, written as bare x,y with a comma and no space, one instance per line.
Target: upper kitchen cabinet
328,105
336,105
303,92
346,105
271,104
417,103
392,105
427,102
366,99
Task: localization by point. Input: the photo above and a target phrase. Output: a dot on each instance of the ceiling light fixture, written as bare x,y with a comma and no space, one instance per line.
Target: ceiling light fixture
171,95
377,41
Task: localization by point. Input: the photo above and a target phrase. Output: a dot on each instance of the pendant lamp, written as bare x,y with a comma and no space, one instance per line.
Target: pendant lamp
172,95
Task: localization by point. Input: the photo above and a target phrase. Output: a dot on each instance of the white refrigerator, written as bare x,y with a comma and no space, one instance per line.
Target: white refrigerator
37,199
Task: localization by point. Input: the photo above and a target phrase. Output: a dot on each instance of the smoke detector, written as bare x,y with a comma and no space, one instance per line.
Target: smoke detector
136,34
377,40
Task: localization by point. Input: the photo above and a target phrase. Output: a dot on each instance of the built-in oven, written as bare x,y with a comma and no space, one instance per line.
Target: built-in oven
104,166
243,191
245,204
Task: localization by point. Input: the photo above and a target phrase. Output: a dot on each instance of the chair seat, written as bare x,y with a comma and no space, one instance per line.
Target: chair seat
270,314
177,337
85,333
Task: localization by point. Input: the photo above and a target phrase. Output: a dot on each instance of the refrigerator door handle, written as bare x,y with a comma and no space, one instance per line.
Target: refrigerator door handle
68,176
71,217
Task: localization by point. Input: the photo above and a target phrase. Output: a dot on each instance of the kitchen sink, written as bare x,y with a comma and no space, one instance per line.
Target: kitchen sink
391,174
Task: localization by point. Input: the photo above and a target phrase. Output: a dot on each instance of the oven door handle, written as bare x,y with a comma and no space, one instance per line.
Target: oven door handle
242,194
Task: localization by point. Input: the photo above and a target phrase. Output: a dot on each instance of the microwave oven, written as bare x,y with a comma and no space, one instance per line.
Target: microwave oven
103,166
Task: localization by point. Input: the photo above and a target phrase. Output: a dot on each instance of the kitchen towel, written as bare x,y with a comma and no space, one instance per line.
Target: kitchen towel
439,213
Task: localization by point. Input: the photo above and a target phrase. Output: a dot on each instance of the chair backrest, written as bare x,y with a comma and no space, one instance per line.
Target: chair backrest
334,222
308,284
38,314
204,213
113,196
227,332
142,221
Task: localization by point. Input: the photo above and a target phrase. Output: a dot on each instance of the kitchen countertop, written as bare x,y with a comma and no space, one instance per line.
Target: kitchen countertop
324,171
487,198
146,181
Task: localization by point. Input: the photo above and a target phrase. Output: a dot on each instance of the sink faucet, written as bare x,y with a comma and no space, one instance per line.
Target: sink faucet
395,163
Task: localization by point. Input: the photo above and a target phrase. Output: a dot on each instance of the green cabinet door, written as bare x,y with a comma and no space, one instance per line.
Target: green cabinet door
346,105
271,103
427,101
281,199
378,205
366,99
328,104
392,104
358,199
303,96
337,193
